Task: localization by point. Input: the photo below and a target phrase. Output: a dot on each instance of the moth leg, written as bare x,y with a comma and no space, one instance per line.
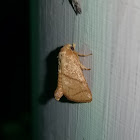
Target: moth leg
83,67
59,90
83,55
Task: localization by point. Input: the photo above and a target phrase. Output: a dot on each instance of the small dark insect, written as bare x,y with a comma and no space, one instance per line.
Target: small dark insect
76,6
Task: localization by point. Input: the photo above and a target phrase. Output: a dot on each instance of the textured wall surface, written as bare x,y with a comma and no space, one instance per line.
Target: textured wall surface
110,29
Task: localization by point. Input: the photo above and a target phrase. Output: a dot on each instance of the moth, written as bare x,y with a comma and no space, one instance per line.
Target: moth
71,81
76,6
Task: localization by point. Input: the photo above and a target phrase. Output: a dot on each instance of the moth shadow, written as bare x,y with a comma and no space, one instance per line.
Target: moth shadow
51,77
65,100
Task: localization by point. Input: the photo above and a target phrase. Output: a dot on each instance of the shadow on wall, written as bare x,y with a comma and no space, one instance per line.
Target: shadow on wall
50,83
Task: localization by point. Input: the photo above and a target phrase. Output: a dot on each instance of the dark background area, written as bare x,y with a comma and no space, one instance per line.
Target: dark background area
15,100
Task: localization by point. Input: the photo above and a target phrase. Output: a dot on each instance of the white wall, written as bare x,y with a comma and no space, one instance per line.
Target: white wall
110,29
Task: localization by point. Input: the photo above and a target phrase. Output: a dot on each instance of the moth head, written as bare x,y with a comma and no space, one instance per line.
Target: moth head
70,47
73,47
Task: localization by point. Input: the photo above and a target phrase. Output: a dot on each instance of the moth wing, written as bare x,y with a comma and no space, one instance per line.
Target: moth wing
75,87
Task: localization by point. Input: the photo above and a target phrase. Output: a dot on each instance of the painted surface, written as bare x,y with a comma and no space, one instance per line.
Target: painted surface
111,31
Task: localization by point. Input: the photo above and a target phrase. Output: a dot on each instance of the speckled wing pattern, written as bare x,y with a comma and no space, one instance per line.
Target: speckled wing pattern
71,81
